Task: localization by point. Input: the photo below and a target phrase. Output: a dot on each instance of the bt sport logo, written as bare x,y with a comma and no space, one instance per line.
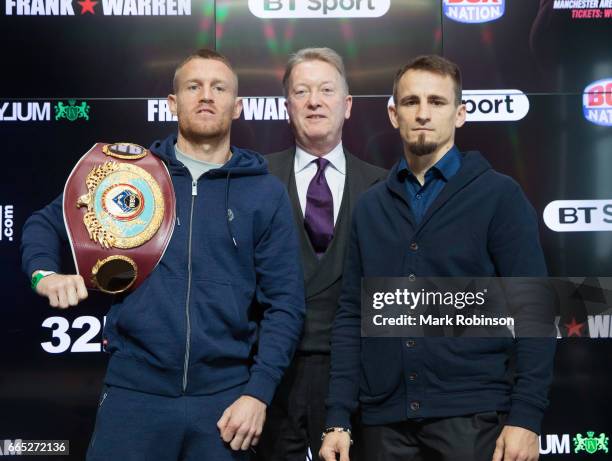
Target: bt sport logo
275,9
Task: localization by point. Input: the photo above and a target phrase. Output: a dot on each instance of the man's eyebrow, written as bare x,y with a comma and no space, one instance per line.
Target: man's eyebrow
408,98
213,81
218,80
325,82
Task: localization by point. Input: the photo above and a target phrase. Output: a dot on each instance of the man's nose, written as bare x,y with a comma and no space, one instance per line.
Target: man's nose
206,94
423,114
314,99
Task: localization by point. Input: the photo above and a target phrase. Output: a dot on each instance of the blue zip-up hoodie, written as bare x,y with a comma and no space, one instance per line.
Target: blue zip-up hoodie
189,329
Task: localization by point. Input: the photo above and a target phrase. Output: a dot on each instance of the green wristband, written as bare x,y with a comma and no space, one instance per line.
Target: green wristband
38,277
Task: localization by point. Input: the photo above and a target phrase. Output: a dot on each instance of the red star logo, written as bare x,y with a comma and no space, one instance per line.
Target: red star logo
574,328
87,6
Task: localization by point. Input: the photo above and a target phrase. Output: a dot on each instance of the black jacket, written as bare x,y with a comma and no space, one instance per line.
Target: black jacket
323,277
480,225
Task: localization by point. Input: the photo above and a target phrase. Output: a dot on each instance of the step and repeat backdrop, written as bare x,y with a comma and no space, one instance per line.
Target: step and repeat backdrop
538,89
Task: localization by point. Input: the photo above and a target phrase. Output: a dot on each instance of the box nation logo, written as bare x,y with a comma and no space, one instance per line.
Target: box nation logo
597,102
474,11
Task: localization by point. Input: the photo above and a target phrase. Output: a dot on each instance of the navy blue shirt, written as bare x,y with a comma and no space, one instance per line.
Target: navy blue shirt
421,197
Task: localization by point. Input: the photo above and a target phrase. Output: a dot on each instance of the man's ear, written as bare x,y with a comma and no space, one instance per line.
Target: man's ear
461,116
349,104
237,108
392,112
172,103
287,110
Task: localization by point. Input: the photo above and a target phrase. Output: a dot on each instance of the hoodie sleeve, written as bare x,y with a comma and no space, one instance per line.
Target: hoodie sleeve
280,292
42,238
515,249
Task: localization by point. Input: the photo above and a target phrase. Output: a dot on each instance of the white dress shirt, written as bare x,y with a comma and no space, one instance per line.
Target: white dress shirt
335,175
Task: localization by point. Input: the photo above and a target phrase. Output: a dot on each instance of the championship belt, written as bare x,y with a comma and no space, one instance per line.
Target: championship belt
119,210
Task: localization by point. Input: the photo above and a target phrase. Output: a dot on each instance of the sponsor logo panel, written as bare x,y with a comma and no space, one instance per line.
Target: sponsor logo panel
493,105
591,443
474,11
99,7
593,326
25,111
559,444
481,106
579,215
276,9
253,109
6,223
555,444
40,111
264,109
597,102
586,9
159,111
71,111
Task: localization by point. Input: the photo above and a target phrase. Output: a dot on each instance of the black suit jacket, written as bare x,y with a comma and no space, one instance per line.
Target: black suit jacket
323,277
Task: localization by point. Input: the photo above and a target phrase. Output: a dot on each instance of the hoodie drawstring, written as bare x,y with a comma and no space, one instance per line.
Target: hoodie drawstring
229,215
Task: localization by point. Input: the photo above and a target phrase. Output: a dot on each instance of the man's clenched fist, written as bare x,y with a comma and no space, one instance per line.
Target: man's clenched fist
62,290
242,422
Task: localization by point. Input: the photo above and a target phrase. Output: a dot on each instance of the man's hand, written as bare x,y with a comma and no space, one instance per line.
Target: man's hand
335,443
62,290
242,422
516,444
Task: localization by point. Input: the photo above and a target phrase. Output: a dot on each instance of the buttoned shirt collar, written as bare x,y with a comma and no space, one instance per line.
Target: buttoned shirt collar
445,168
335,157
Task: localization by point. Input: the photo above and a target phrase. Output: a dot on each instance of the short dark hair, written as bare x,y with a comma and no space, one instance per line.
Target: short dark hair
203,53
436,65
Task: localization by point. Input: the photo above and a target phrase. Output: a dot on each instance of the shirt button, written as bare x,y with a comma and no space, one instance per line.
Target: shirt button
411,343
414,246
413,376
414,406
412,277
418,196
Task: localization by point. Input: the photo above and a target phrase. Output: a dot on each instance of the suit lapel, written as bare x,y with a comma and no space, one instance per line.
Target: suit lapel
354,177
319,274
284,170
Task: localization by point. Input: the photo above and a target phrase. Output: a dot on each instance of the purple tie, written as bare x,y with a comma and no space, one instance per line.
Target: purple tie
319,216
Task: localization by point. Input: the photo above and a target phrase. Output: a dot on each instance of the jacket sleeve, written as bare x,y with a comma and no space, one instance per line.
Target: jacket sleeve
280,292
343,393
42,238
516,252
